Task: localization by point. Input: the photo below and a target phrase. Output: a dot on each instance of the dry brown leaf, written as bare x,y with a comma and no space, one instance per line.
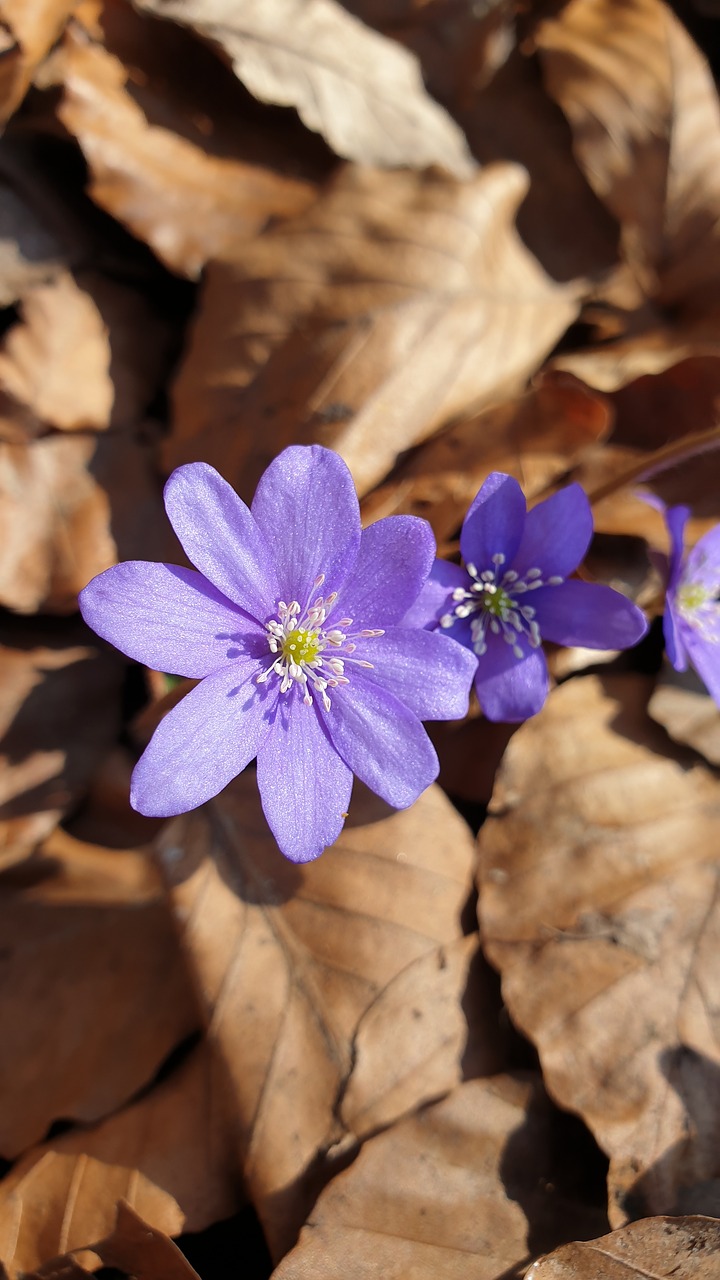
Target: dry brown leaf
654,1249
643,108
683,706
142,1251
169,1155
29,252
187,202
73,504
59,713
535,438
288,959
33,26
599,905
88,354
93,995
362,92
398,301
434,1025
464,1190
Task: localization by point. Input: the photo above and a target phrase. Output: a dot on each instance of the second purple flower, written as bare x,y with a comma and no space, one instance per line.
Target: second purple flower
515,591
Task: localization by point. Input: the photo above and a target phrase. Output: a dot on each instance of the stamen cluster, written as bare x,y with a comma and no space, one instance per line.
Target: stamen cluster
299,639
495,607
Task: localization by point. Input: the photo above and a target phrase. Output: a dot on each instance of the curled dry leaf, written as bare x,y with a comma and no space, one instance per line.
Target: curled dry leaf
653,155
169,1155
142,1251
653,1249
435,1024
73,504
361,91
288,959
32,30
448,1194
599,905
187,202
92,994
50,679
395,303
536,438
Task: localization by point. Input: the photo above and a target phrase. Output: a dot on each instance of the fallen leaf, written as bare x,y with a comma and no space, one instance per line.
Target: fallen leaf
73,504
395,303
599,906
289,958
33,27
363,92
651,153
59,714
676,1248
92,994
142,1251
169,1155
682,705
536,438
29,252
453,1193
189,197
435,1024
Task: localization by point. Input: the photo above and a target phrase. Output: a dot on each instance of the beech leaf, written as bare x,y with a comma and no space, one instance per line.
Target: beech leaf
653,1249
598,905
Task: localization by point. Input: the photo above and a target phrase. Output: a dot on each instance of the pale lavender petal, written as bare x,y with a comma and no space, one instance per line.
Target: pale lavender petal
511,689
428,672
168,617
494,522
382,741
307,509
705,657
396,556
588,614
557,534
204,742
435,598
675,630
304,785
676,518
220,537
703,562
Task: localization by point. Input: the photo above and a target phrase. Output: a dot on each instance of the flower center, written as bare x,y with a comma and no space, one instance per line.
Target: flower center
691,597
491,601
307,653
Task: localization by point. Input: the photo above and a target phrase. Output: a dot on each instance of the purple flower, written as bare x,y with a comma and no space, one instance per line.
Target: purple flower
515,591
292,625
692,616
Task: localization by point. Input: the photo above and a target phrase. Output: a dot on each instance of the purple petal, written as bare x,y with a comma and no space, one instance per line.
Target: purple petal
511,689
307,509
220,537
434,599
304,785
675,630
494,523
382,741
703,562
396,556
168,617
204,742
428,672
557,534
676,518
705,657
586,613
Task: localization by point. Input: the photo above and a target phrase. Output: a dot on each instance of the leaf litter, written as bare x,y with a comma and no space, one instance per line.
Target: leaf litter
443,241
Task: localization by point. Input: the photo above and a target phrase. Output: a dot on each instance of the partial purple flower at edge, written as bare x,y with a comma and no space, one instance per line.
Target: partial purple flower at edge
293,623
514,591
692,615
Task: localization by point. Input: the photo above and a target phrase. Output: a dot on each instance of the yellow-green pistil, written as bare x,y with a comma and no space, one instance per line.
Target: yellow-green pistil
691,597
491,603
301,645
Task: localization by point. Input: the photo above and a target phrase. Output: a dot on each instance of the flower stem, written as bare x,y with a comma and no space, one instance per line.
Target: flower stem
669,455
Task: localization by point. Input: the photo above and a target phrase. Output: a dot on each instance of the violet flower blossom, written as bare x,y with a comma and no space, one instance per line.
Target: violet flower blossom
515,590
691,622
291,622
